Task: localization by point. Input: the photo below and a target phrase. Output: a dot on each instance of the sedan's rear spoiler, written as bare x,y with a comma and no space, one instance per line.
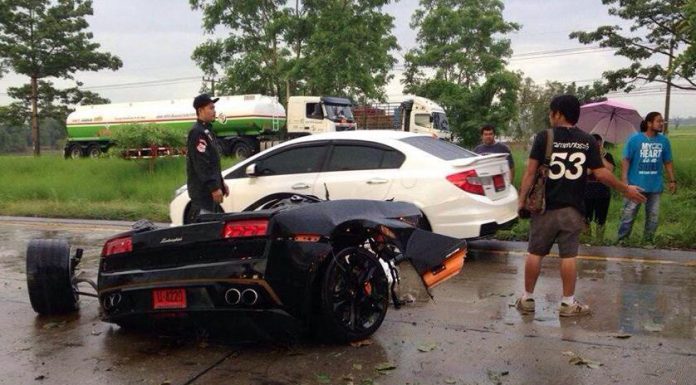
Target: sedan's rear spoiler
478,160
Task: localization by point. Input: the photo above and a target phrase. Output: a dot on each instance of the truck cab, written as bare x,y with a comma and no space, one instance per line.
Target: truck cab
315,114
424,116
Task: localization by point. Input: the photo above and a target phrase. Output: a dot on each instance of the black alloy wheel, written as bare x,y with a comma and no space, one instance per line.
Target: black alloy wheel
354,295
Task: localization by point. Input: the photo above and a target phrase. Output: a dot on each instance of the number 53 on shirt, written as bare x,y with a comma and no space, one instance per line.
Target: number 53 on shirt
568,165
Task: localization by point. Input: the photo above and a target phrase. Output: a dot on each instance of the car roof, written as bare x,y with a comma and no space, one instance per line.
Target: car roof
369,135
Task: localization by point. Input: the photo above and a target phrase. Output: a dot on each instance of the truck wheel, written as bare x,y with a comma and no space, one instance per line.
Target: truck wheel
93,151
354,295
242,149
74,151
50,277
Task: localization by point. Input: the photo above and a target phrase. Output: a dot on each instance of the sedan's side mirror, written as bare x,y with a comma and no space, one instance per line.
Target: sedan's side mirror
251,170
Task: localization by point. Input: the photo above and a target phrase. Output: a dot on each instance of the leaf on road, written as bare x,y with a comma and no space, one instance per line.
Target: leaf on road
652,326
424,348
358,344
621,336
450,381
385,367
578,360
568,353
323,378
54,325
357,366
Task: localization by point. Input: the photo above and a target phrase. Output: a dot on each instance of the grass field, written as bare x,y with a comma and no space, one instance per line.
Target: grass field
112,188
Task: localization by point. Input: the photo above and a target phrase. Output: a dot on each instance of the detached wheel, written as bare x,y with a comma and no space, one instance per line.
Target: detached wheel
354,295
49,277
75,151
242,149
94,151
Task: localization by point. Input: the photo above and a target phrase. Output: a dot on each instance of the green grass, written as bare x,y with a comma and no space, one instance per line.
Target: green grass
107,188
677,226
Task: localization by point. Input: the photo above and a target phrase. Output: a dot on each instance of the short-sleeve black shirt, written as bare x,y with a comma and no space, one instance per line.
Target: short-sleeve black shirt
574,152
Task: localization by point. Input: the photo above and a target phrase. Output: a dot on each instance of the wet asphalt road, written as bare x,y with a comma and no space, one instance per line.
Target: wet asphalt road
643,330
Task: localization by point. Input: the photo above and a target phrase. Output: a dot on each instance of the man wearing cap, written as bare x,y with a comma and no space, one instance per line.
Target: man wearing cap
203,175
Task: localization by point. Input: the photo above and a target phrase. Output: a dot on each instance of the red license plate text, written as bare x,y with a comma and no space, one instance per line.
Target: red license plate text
169,299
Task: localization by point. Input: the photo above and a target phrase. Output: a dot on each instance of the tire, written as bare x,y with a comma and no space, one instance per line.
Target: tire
74,152
242,149
49,277
354,296
94,151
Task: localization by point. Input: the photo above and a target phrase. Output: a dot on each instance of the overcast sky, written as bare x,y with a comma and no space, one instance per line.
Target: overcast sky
155,38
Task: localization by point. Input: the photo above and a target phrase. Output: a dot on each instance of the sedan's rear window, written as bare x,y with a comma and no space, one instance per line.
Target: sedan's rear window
437,147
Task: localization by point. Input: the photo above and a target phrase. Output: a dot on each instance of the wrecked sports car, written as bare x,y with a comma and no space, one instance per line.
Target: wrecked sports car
332,265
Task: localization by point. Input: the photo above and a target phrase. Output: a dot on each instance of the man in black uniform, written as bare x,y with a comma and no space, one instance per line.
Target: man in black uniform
573,153
203,175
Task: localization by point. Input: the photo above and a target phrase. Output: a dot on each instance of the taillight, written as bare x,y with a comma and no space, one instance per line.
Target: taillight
467,181
117,246
245,228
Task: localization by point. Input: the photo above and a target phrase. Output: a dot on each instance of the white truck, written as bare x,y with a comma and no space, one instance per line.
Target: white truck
246,123
415,114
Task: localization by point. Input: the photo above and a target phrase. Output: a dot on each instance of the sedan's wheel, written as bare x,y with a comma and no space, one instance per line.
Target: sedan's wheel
354,295
50,277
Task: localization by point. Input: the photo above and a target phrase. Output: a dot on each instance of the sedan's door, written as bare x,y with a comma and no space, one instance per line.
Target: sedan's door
289,169
359,170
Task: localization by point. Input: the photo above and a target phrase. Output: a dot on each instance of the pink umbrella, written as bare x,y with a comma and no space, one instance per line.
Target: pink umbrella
613,120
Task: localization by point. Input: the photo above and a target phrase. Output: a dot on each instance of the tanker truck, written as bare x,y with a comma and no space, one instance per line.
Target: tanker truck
415,114
245,123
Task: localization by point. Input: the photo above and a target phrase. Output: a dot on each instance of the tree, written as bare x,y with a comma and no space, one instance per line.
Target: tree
655,44
44,39
326,47
54,106
460,62
533,102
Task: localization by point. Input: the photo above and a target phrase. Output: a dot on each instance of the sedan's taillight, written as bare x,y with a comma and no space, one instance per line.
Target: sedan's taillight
117,246
467,181
245,228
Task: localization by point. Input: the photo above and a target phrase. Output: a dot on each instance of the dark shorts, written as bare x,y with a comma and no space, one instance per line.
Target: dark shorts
562,226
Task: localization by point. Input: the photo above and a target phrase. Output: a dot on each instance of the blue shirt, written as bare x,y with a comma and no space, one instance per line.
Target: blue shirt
646,156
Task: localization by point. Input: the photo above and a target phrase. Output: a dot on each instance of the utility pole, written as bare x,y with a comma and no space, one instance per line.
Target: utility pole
669,86
211,79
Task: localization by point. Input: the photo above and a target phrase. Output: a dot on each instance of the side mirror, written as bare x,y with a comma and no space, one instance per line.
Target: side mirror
251,170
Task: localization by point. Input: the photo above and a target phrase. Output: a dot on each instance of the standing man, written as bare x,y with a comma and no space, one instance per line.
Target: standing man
643,156
597,195
490,146
203,175
573,153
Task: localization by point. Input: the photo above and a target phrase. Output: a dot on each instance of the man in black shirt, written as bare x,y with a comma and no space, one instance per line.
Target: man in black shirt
203,175
573,153
490,146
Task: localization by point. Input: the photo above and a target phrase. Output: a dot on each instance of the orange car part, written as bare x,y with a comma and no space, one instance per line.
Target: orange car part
448,269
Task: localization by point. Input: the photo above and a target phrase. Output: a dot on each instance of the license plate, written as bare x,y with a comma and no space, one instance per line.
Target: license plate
169,299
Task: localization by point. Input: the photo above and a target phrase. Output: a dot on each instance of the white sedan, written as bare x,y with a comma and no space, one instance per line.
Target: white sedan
461,194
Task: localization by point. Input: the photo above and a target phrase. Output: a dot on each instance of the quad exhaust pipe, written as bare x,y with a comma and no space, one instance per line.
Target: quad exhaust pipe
233,296
248,297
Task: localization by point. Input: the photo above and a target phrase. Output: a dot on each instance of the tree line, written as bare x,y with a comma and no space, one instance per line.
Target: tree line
343,48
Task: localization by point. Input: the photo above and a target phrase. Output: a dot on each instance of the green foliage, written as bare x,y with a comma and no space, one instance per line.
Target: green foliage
108,188
331,47
44,38
459,41
533,104
660,29
145,135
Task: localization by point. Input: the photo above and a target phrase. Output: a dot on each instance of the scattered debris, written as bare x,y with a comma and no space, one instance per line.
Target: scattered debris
496,377
357,366
450,380
424,348
622,336
578,360
54,325
40,378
